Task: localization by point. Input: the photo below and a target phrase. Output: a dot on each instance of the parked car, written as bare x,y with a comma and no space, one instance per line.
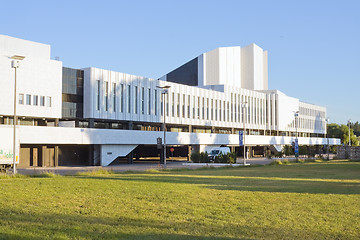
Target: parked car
217,151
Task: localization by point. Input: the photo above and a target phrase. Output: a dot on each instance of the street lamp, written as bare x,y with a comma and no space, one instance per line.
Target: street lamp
296,115
164,91
349,122
327,138
244,107
15,63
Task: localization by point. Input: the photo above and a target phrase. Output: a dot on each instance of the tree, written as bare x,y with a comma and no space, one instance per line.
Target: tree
356,128
342,131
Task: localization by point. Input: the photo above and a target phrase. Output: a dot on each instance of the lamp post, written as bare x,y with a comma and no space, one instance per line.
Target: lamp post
244,107
296,115
15,63
349,122
327,138
164,91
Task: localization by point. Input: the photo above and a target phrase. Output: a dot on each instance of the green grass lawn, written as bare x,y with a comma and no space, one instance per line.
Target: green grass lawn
296,201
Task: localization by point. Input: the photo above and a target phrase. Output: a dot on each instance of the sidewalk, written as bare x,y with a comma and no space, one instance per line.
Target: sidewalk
71,170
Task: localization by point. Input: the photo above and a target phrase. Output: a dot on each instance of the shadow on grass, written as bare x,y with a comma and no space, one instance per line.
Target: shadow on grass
20,225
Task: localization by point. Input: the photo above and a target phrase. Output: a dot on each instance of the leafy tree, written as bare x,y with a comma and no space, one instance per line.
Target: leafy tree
356,128
342,131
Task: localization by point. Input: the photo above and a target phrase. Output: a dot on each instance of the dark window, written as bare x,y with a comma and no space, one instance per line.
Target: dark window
72,93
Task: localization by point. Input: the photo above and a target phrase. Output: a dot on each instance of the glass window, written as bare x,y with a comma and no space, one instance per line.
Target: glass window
149,101
35,100
142,100
155,102
21,98
28,99
98,95
121,97
188,107
114,97
48,101
136,100
42,101
129,99
106,96
193,105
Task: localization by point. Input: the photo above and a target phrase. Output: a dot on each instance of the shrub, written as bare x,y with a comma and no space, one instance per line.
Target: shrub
268,154
279,154
285,161
204,157
195,157
300,160
288,151
232,157
276,162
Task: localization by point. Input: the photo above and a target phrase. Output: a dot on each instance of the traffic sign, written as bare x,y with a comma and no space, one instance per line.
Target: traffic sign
241,138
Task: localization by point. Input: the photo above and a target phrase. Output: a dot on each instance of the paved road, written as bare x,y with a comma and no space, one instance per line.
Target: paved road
137,166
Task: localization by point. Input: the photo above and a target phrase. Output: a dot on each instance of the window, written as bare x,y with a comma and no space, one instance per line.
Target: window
198,105
35,100
155,102
106,96
21,98
121,97
167,104
142,100
216,107
188,107
193,105
42,101
183,106
129,99
97,95
220,104
114,97
136,100
48,101
149,101
207,108
28,99
172,106
178,105
203,108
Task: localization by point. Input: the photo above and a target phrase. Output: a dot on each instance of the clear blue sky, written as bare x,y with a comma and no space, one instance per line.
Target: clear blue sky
313,46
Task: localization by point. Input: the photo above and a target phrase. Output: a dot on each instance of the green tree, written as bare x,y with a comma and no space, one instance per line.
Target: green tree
342,131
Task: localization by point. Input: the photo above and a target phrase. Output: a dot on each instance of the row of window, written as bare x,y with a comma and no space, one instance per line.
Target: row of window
307,123
182,105
312,112
34,100
259,111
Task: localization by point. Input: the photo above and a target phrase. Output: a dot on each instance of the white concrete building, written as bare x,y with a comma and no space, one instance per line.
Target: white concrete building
94,116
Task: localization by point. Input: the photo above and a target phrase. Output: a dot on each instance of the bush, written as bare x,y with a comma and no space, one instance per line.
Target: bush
204,157
232,156
300,160
279,154
288,151
195,157
285,161
276,162
268,154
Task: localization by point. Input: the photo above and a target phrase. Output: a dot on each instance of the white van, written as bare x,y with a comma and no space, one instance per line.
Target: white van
217,151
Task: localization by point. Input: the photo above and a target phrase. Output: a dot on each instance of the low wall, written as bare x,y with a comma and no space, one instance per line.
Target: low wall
346,152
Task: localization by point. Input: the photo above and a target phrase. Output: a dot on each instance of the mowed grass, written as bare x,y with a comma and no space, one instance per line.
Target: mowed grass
296,201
